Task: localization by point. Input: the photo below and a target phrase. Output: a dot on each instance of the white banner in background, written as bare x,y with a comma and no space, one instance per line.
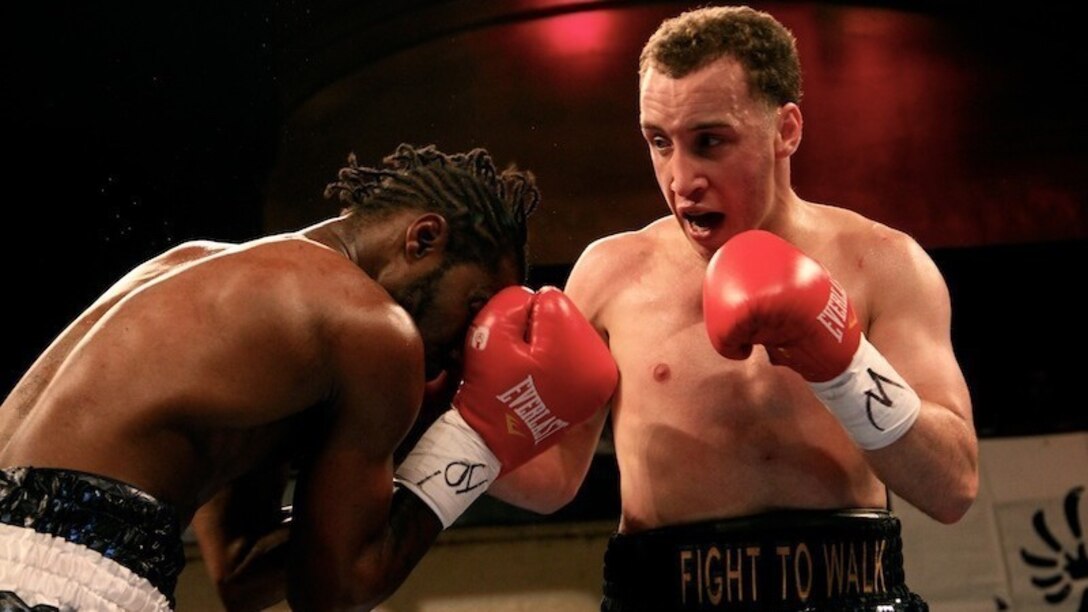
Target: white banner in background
1023,545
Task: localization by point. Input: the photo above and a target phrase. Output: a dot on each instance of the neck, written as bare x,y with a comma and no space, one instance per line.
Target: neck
786,203
788,215
366,245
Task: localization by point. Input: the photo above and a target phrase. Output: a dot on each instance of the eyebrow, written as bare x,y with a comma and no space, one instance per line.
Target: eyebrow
705,125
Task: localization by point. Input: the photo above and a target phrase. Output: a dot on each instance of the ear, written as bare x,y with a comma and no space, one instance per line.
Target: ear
788,127
427,234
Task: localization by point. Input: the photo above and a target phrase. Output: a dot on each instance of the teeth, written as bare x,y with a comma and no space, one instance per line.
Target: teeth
698,220
704,221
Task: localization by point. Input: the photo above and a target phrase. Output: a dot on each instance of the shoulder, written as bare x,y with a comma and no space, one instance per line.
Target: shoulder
194,249
378,324
862,242
619,251
182,254
607,263
377,364
891,254
307,291
904,277
371,351
367,329
163,263
294,269
369,345
894,269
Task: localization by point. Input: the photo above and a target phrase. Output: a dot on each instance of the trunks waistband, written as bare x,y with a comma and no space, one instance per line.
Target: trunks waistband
113,518
776,561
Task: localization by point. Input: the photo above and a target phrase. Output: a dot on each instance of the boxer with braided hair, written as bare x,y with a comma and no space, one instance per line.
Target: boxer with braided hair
495,222
188,392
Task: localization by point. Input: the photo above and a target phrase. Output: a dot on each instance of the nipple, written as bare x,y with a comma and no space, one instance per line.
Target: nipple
661,372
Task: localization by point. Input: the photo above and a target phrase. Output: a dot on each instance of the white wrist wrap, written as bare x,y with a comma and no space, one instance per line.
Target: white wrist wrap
449,467
870,399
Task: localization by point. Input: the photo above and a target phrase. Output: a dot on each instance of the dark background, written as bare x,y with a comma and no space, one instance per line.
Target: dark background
131,127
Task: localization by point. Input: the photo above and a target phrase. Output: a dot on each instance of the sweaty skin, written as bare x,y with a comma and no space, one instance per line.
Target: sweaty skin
698,436
144,387
205,372
25,394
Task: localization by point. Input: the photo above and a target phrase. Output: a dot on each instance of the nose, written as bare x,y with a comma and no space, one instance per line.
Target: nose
688,180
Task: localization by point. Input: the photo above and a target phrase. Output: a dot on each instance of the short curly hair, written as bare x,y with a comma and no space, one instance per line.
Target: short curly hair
764,47
487,211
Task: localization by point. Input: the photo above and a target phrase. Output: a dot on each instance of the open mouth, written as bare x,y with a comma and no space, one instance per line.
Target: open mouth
702,223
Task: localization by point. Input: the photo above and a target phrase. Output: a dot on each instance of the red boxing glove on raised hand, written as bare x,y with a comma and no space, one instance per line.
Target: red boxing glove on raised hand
533,366
760,289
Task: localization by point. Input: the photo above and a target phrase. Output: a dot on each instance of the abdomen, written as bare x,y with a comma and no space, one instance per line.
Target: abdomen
718,438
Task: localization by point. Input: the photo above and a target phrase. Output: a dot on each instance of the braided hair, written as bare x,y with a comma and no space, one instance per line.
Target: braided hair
486,210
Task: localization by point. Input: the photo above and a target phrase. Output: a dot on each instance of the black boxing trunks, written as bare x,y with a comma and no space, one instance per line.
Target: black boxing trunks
789,561
71,540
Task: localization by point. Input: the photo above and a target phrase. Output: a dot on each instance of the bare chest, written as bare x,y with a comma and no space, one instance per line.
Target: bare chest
671,374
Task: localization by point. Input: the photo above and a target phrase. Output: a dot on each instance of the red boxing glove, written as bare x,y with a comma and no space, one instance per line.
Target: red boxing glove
760,289
533,367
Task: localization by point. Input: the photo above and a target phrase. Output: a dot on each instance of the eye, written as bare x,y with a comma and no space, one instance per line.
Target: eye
476,304
708,141
656,141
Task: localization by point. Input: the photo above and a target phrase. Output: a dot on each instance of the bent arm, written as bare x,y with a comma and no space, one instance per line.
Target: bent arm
934,466
353,540
354,543
242,533
550,480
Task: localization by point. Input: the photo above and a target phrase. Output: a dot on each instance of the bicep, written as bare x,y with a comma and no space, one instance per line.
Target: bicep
586,285
345,487
341,504
911,326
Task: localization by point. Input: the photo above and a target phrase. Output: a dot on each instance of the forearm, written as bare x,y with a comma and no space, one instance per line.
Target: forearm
414,528
379,567
543,485
934,466
243,534
369,571
247,569
259,578
549,481
923,451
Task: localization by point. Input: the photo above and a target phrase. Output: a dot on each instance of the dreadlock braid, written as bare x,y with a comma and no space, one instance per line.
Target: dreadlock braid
487,211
